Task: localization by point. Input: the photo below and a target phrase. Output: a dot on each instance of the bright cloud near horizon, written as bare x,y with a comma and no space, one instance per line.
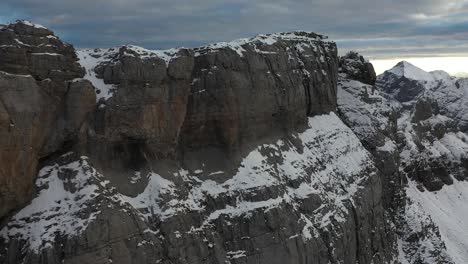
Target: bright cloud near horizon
452,65
378,29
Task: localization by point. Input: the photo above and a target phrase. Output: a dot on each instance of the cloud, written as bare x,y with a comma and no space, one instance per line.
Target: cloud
379,27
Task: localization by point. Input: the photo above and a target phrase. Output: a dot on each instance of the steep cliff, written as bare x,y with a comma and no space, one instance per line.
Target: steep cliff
225,153
42,107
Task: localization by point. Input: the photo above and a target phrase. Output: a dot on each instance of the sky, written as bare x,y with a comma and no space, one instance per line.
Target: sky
382,30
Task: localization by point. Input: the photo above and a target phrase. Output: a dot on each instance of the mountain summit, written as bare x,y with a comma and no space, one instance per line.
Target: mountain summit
405,81
410,71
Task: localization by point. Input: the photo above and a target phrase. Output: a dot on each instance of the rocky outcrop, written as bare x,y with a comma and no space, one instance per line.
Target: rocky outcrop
41,107
29,49
357,68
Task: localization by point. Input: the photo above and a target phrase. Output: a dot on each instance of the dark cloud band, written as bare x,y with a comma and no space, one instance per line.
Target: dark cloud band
378,28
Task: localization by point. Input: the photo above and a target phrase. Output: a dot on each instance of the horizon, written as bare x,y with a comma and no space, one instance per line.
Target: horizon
454,65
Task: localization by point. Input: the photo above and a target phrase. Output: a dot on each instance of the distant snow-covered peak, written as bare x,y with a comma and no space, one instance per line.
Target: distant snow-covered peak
408,70
441,75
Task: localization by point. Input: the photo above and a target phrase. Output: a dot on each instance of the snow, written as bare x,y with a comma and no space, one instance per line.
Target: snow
448,208
401,253
45,53
57,209
419,240
166,55
21,43
89,59
29,23
136,177
16,75
453,146
441,75
235,45
366,109
308,39
243,208
152,195
389,146
236,254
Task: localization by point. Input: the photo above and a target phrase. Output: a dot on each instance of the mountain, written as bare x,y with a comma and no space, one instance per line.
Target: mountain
270,149
420,141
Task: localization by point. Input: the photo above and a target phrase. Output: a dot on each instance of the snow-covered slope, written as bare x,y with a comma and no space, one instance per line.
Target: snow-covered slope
416,121
448,208
406,82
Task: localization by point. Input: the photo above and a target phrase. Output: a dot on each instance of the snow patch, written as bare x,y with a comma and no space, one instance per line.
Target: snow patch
89,59
62,206
29,23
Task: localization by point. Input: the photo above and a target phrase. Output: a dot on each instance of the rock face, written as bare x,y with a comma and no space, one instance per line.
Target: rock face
211,104
36,91
222,96
262,150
